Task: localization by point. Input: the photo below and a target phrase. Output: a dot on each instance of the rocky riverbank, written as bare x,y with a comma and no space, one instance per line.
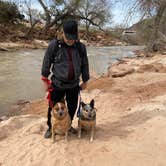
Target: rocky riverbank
33,44
15,37
37,44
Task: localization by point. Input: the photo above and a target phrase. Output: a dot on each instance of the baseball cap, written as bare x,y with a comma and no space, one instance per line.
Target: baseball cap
70,28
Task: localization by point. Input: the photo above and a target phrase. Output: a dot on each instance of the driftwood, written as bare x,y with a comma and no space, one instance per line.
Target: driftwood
123,73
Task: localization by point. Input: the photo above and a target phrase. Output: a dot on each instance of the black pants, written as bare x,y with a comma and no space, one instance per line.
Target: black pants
71,98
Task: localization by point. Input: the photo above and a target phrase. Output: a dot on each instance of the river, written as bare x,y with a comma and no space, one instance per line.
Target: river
20,71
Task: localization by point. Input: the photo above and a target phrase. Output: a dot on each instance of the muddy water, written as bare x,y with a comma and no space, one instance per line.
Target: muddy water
20,71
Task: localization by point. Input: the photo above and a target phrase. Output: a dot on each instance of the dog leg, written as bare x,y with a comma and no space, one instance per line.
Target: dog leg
79,130
66,136
92,134
53,134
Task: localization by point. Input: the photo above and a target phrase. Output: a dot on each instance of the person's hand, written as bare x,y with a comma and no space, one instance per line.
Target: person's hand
46,86
46,82
83,85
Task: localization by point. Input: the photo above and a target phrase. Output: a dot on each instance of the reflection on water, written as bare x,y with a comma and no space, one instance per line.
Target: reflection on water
20,71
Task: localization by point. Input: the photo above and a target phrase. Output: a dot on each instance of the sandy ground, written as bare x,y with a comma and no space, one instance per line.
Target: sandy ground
131,123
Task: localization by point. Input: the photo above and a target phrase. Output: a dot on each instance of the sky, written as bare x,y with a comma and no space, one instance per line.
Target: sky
119,12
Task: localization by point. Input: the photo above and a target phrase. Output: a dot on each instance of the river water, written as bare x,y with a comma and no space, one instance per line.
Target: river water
20,71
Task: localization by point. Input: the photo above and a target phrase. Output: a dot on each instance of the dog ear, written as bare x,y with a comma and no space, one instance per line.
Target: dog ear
92,103
62,100
82,104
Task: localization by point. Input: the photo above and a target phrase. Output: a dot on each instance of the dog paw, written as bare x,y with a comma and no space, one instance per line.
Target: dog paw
91,140
52,142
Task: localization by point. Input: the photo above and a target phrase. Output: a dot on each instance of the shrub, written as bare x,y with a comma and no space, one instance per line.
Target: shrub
9,12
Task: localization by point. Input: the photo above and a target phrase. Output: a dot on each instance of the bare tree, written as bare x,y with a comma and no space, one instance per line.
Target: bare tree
151,9
33,15
94,12
91,12
160,9
57,11
47,12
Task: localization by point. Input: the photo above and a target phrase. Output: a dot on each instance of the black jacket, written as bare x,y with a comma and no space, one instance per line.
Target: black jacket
56,62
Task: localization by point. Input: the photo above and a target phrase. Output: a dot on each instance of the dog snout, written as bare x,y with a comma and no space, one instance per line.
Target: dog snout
90,115
60,113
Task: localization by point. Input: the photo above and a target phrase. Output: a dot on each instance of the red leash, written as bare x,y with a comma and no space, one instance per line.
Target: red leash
49,90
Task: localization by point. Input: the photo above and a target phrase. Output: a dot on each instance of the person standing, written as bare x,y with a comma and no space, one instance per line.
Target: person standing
65,61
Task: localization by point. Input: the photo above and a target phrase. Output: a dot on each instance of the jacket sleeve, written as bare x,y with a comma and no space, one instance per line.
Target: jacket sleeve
85,64
48,59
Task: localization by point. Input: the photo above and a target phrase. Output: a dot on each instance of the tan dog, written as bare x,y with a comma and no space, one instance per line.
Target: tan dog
87,119
60,120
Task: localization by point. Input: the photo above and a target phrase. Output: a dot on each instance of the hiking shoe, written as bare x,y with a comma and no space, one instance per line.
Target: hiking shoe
48,134
73,130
